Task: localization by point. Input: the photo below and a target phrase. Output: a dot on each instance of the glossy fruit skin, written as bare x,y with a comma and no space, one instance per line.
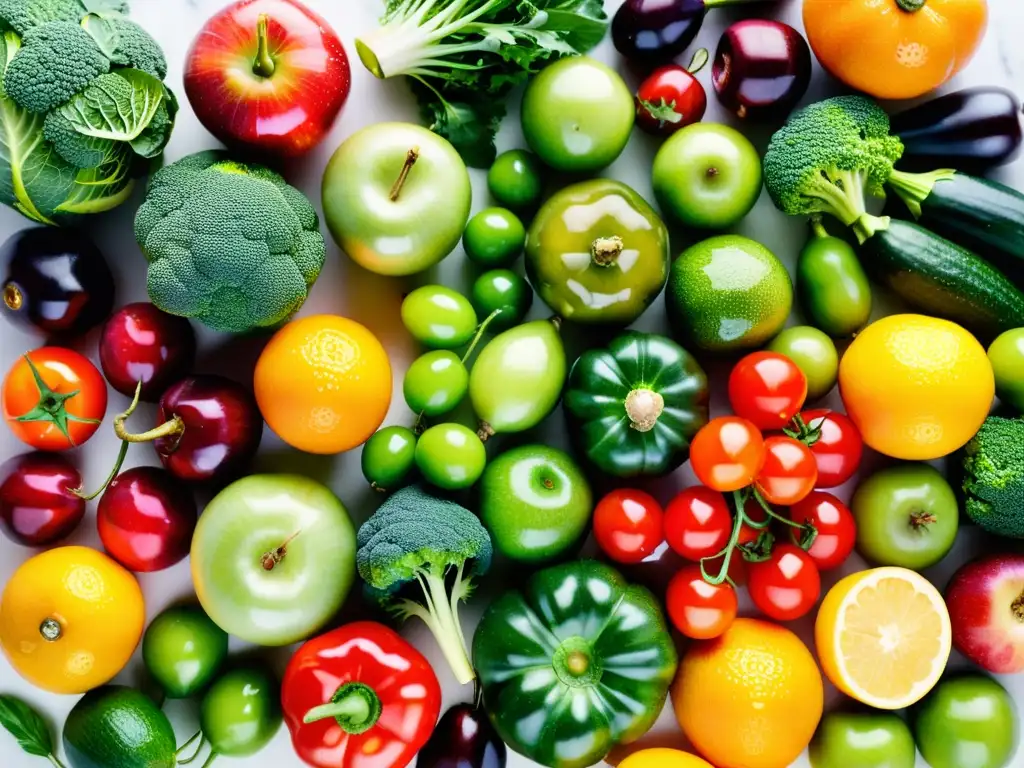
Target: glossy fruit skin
241,711
767,389
814,354
494,238
580,643
435,382
223,429
634,406
967,721
1006,354
787,585
438,317
727,454
73,379
535,502
323,384
98,606
118,727
450,456
789,471
652,32
986,613
699,610
421,227
463,738
146,518
835,526
669,99
762,69
659,757
254,517
286,112
838,448
141,343
707,176
628,525
698,523
516,179
907,515
832,286
388,457
36,507
597,253
869,739
501,289
184,650
577,115
55,280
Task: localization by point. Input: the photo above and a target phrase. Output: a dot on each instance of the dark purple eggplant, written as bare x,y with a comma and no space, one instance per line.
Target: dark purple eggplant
463,738
970,130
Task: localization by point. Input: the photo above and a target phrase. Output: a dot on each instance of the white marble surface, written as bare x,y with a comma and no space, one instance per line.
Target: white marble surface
345,289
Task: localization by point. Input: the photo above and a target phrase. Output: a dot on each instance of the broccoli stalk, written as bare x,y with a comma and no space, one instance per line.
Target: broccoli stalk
913,188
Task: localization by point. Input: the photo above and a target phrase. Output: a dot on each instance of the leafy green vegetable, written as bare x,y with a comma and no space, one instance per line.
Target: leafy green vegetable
467,55
27,727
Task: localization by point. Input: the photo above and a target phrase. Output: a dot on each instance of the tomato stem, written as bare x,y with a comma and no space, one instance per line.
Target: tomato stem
52,406
263,65
410,160
734,537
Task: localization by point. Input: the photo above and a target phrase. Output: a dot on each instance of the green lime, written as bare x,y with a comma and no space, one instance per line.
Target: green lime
450,456
1007,356
505,290
388,457
183,649
241,712
118,727
814,354
439,317
435,383
516,179
495,237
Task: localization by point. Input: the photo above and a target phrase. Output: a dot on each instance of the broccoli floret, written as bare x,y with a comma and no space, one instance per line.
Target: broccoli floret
230,244
79,150
136,48
417,537
993,479
56,61
23,15
828,155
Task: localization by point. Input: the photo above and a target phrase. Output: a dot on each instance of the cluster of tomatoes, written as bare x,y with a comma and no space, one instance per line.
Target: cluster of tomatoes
758,517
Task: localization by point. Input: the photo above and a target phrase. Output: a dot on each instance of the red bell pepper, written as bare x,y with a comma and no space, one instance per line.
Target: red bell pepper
359,697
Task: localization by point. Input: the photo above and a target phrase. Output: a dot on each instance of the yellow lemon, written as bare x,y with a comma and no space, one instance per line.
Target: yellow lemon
663,758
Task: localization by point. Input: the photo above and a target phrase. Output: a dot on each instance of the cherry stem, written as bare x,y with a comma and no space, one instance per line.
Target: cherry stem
275,556
263,65
210,759
734,537
197,735
410,160
700,58
772,514
202,743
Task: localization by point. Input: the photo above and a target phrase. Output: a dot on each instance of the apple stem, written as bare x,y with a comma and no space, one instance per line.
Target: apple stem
410,160
1017,608
920,519
263,65
275,556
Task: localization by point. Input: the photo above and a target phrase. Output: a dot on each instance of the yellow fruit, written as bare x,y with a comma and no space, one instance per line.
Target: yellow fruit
70,619
663,758
751,698
883,637
917,387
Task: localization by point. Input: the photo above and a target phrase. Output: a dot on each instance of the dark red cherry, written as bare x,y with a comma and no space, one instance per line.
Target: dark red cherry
463,738
141,343
36,505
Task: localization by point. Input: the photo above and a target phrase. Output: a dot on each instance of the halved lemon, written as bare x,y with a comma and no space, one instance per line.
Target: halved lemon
883,637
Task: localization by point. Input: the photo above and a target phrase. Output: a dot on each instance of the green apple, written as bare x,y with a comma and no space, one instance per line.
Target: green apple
535,502
396,198
273,558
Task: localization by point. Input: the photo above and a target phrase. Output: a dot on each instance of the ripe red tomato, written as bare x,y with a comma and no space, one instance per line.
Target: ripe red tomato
727,453
698,609
789,471
837,531
54,399
669,99
839,446
767,389
698,523
628,525
787,585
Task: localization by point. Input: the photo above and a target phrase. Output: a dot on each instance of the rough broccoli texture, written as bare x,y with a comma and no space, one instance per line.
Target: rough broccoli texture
828,155
993,477
22,15
136,48
81,151
230,244
56,61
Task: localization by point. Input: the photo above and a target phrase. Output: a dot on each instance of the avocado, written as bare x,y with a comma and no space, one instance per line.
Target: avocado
118,727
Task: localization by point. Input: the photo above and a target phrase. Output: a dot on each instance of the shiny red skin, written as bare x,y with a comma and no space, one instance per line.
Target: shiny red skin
986,607
838,449
767,389
223,428
674,89
698,522
142,343
789,472
787,585
146,518
700,610
834,522
36,507
286,114
761,69
628,525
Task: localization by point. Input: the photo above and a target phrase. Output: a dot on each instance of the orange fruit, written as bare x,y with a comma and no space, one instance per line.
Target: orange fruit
70,619
917,387
663,758
750,698
323,384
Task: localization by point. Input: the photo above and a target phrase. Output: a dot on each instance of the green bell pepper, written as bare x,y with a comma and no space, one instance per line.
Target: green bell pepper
634,407
576,663
598,253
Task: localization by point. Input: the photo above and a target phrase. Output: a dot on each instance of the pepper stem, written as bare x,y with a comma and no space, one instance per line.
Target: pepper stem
410,160
643,407
356,708
263,65
911,6
274,557
605,251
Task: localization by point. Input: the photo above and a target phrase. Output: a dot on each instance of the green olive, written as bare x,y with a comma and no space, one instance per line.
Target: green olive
516,179
435,383
814,354
832,286
439,317
505,290
388,457
495,237
450,456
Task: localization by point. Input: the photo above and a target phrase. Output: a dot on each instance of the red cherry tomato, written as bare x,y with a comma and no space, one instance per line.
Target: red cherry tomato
727,453
628,525
787,585
698,609
768,389
789,471
839,446
837,531
698,523
671,98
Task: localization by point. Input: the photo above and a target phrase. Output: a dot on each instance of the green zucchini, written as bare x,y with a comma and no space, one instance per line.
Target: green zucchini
939,277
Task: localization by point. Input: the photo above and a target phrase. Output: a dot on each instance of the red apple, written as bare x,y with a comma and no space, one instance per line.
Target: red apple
269,75
986,607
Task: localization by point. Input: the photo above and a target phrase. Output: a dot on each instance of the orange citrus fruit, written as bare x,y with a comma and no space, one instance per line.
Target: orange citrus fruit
917,387
70,619
883,636
663,758
323,384
750,698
